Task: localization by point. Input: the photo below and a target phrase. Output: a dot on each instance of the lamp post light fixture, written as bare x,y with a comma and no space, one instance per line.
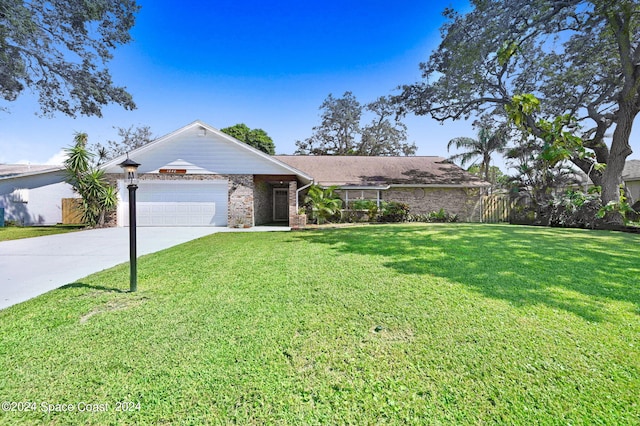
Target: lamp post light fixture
130,168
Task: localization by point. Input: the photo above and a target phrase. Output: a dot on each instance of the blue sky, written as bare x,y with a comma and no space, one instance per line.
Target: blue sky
264,63
267,64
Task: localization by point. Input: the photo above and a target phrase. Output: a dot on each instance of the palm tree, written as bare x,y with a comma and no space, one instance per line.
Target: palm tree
98,197
323,201
488,142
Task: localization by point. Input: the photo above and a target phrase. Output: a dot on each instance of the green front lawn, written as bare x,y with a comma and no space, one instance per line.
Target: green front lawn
407,324
19,232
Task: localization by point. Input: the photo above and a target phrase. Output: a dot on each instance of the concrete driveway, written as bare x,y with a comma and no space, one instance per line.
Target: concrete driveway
33,266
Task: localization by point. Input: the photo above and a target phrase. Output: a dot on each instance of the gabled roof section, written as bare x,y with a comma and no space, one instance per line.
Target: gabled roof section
12,171
355,171
205,148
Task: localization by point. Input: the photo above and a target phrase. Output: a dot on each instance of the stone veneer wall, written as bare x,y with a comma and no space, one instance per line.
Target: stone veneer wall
263,202
293,212
263,199
240,201
464,202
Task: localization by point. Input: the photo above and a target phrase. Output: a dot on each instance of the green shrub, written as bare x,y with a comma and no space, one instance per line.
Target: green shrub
369,205
574,209
323,203
439,216
394,211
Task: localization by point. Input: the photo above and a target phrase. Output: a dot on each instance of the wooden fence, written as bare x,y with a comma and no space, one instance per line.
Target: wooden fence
71,211
495,208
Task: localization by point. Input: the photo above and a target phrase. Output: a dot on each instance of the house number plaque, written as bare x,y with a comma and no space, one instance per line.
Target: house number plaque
174,171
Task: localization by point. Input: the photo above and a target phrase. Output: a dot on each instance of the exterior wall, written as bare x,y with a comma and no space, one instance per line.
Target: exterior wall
263,195
293,212
634,189
263,202
464,202
43,204
241,200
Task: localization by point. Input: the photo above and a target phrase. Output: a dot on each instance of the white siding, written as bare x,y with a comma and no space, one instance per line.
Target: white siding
211,152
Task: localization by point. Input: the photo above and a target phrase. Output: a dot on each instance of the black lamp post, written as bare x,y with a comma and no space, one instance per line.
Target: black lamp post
130,168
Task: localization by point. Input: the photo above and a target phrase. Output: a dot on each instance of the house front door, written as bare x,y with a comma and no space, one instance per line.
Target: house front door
280,204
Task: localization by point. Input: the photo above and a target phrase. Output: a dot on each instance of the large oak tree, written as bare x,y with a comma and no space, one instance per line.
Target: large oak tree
579,57
340,131
59,50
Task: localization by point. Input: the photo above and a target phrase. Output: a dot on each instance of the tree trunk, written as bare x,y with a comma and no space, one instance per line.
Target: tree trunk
620,150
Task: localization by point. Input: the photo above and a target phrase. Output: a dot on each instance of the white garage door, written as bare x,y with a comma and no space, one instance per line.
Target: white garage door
178,203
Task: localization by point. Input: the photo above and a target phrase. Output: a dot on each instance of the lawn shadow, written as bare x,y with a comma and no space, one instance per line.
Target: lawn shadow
573,270
93,287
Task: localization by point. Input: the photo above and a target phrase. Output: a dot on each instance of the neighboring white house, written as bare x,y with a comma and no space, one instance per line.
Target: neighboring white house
32,195
631,177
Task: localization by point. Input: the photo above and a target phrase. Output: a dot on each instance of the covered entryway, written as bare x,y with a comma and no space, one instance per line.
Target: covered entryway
177,203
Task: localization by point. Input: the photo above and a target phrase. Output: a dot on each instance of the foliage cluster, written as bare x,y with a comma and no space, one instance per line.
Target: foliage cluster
389,212
620,206
256,138
394,211
361,210
440,216
490,139
574,209
341,132
98,196
58,49
322,204
549,65
130,139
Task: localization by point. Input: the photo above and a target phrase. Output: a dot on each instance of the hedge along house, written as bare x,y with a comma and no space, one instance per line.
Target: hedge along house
426,184
200,176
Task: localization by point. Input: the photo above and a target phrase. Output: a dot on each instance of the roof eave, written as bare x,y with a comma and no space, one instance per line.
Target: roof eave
34,173
403,185
442,185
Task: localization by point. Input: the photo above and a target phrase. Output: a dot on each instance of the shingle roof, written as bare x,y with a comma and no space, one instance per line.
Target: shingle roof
379,171
13,170
631,170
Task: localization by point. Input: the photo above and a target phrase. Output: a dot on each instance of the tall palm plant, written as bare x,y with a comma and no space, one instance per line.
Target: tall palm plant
324,202
98,197
489,141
